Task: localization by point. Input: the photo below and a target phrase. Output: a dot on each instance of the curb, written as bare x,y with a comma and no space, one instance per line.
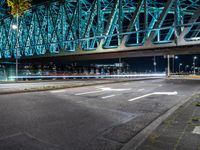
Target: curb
195,79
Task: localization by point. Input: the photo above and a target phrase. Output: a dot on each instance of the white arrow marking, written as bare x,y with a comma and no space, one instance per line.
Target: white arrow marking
101,90
110,89
166,93
155,93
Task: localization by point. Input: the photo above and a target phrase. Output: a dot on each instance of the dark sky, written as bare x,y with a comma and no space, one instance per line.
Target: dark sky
145,64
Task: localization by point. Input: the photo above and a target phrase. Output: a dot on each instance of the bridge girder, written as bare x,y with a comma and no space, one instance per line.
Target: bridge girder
75,27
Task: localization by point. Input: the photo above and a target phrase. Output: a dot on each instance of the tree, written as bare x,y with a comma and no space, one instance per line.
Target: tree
18,7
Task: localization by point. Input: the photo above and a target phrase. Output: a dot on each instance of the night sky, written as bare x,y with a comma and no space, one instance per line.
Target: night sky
145,64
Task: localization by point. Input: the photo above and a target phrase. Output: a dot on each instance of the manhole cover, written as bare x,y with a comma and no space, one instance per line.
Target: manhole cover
24,142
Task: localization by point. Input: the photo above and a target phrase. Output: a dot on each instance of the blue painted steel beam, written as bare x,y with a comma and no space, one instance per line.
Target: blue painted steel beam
71,27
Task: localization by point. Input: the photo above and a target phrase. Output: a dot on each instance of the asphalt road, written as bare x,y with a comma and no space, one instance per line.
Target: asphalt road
103,117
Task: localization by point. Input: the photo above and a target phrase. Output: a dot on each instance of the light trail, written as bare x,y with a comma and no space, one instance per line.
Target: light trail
90,76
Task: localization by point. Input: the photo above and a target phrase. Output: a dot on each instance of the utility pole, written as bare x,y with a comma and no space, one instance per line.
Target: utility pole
179,68
16,12
17,45
120,62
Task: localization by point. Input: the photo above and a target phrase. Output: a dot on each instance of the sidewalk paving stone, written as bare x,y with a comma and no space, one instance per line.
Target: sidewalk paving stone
175,133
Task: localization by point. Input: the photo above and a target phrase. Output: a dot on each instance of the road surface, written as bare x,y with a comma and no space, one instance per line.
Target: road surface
102,117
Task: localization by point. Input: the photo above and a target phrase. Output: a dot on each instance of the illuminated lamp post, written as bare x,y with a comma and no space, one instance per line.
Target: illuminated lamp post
179,69
194,63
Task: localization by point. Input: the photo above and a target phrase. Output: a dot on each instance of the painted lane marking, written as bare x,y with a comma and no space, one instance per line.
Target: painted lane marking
110,89
87,93
139,97
155,93
196,130
108,96
58,91
99,86
125,83
166,93
140,90
101,90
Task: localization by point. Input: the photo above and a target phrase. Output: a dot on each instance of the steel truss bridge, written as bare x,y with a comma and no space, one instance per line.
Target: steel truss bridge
77,27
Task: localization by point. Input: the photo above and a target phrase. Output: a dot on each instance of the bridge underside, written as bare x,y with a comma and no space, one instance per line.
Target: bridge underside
85,29
188,50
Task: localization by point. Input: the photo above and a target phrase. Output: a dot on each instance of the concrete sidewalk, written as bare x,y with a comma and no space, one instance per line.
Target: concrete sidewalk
185,77
180,131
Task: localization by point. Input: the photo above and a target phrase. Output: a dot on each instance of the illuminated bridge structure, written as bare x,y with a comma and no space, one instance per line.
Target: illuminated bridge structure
105,27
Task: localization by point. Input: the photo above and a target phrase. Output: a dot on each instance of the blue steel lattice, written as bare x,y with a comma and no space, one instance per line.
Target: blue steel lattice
81,26
3,9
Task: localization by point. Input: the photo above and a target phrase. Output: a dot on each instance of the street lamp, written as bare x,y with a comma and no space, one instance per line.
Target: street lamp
15,27
187,66
18,8
154,64
175,57
194,62
180,64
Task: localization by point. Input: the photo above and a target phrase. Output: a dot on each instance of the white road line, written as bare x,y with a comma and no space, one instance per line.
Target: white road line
141,90
88,93
166,93
125,83
196,130
140,97
110,89
99,86
103,89
108,96
58,91
155,93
